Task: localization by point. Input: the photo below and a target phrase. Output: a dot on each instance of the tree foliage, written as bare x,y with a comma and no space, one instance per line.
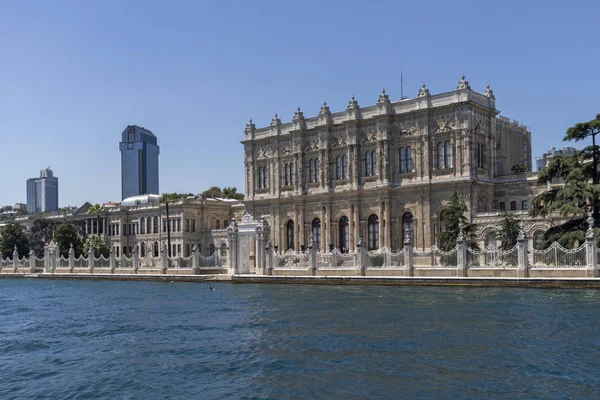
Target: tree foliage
97,210
226,193
65,235
100,248
40,234
451,220
576,190
507,231
14,235
166,199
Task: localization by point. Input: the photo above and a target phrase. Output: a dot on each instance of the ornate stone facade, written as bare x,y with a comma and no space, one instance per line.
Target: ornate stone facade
376,172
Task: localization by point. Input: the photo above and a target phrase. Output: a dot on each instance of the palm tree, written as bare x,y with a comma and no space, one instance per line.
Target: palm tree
166,199
96,210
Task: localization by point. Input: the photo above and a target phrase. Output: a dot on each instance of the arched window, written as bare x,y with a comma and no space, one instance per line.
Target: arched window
311,170
265,177
289,228
316,232
292,174
338,169
373,232
143,250
344,233
407,226
447,155
260,177
344,167
513,206
223,250
142,225
155,248
373,163
287,174
368,163
409,166
440,155
317,167
402,155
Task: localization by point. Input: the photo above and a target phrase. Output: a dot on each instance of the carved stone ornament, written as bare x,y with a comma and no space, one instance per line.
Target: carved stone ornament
383,97
463,84
324,109
370,137
275,121
488,92
313,145
287,150
249,127
263,153
590,234
299,115
352,104
338,141
423,91
522,234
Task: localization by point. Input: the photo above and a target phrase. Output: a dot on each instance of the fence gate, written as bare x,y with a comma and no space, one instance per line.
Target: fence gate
241,234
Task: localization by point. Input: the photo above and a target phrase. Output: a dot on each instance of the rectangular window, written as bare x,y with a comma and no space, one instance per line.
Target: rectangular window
178,224
525,205
164,224
187,225
502,206
513,206
217,222
193,225
224,223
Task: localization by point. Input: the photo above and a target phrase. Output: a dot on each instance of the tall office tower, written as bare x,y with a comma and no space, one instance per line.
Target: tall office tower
139,162
42,192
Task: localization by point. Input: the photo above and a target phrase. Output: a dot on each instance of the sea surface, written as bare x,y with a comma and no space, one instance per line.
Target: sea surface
152,340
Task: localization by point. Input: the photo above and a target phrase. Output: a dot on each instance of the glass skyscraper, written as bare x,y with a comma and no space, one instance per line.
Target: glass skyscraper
139,162
42,192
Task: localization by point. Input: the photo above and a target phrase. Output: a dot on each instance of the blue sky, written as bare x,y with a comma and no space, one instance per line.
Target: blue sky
74,74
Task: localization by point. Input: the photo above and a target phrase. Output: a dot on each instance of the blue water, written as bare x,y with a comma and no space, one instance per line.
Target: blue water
150,340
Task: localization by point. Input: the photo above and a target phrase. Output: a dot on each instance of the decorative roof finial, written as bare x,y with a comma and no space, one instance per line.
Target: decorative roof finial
275,121
299,115
590,234
463,84
383,97
488,92
324,109
522,234
461,232
249,127
353,103
423,91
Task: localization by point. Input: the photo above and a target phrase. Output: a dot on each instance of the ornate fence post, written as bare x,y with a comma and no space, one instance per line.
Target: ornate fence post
269,251
112,260
361,257
31,261
591,250
71,258
15,259
232,234
136,259
195,260
408,254
164,257
462,252
91,255
49,258
523,268
312,256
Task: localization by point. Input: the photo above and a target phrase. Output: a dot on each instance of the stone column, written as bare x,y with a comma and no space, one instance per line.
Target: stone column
164,258
15,259
361,257
352,238
196,260
312,257
113,260
388,224
591,250
408,254
523,268
269,259
71,258
136,259
461,253
31,261
91,256
356,220
302,228
232,234
381,225
326,230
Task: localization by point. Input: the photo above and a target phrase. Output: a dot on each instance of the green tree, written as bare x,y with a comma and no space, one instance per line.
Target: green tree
166,199
507,231
232,193
453,217
579,193
65,235
40,234
14,235
213,191
100,248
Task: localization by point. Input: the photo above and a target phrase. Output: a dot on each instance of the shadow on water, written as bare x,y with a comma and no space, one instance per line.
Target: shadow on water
93,339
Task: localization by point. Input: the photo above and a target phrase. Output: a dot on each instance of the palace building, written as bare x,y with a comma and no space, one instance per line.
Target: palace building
376,172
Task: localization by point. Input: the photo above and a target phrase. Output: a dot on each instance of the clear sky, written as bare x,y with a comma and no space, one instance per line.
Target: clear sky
74,74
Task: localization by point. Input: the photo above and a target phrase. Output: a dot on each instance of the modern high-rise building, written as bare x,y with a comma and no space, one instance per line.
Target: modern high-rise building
541,162
139,162
42,192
